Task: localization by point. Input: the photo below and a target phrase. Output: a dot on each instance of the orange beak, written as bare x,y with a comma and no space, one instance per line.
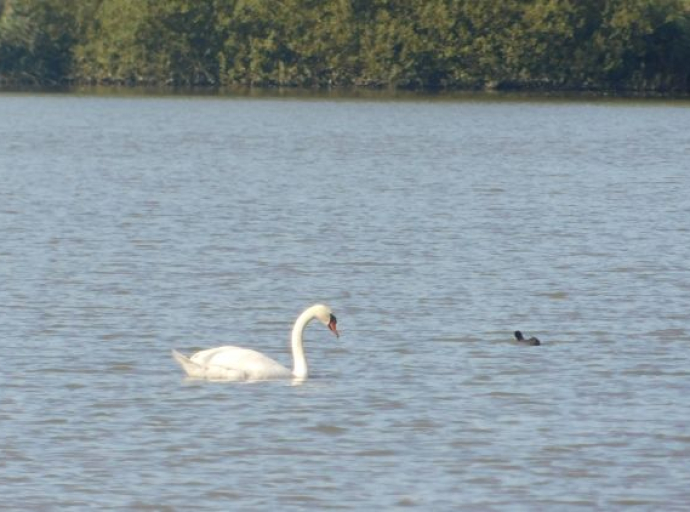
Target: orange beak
332,325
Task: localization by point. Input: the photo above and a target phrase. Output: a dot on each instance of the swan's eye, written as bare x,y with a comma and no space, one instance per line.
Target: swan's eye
334,319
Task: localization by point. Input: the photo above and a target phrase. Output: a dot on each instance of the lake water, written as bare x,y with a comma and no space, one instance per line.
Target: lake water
434,228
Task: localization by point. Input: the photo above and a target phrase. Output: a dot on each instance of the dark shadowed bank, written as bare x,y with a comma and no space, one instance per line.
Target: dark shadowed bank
632,45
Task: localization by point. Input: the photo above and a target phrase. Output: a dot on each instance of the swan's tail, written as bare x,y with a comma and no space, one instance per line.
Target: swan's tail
190,367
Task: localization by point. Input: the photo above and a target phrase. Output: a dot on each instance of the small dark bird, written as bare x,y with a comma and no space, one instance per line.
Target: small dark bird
520,339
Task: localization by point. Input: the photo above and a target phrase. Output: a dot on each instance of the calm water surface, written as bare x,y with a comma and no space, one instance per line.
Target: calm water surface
131,226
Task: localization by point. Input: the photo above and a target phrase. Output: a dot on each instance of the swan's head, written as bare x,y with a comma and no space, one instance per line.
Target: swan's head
327,318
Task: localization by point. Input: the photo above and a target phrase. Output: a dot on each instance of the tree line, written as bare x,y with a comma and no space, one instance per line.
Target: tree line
427,44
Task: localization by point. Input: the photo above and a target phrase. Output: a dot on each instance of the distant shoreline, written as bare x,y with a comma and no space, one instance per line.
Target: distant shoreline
336,92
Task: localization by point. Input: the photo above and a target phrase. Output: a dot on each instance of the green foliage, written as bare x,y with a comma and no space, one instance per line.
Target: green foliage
35,39
625,44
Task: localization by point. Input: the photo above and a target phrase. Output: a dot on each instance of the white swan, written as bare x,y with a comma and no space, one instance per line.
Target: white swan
235,363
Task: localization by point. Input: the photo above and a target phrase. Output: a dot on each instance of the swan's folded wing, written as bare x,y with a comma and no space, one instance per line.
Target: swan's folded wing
253,364
199,371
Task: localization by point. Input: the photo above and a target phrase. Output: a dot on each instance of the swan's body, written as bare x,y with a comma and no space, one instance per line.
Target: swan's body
519,338
236,363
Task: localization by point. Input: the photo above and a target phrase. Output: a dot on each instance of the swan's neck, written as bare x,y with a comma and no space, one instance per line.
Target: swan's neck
299,368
